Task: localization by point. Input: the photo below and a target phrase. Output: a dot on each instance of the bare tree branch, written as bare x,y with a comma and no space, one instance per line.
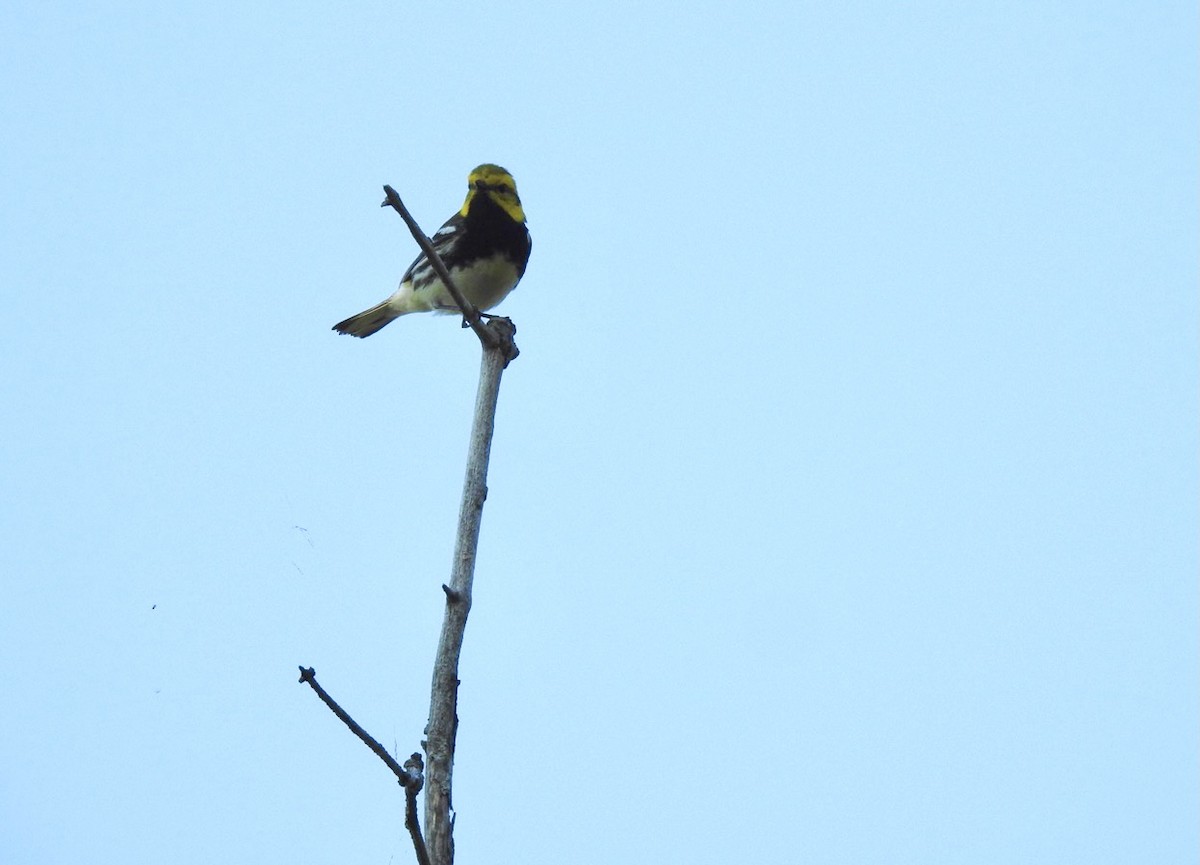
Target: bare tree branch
409,775
499,348
470,314
415,766
441,731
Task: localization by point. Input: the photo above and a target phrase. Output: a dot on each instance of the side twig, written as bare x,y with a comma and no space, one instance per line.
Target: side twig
410,775
470,314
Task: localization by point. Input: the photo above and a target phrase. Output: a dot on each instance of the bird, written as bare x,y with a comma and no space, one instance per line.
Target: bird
485,247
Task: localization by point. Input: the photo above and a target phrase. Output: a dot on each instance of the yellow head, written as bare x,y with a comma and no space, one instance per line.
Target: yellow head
498,185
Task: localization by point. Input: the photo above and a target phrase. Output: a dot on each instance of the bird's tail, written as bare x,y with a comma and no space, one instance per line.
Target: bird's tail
368,321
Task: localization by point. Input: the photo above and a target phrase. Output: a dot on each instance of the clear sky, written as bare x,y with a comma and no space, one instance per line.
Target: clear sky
843,499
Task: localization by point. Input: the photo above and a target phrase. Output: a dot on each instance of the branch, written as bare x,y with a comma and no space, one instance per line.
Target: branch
442,728
415,766
499,349
410,774
471,315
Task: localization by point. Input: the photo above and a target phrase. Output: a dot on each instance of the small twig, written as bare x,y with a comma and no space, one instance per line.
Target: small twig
415,767
411,775
470,314
309,676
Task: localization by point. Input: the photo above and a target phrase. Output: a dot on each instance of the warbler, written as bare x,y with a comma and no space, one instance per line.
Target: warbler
485,247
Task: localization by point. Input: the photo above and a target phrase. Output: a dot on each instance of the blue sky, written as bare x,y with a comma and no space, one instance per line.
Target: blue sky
843,499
